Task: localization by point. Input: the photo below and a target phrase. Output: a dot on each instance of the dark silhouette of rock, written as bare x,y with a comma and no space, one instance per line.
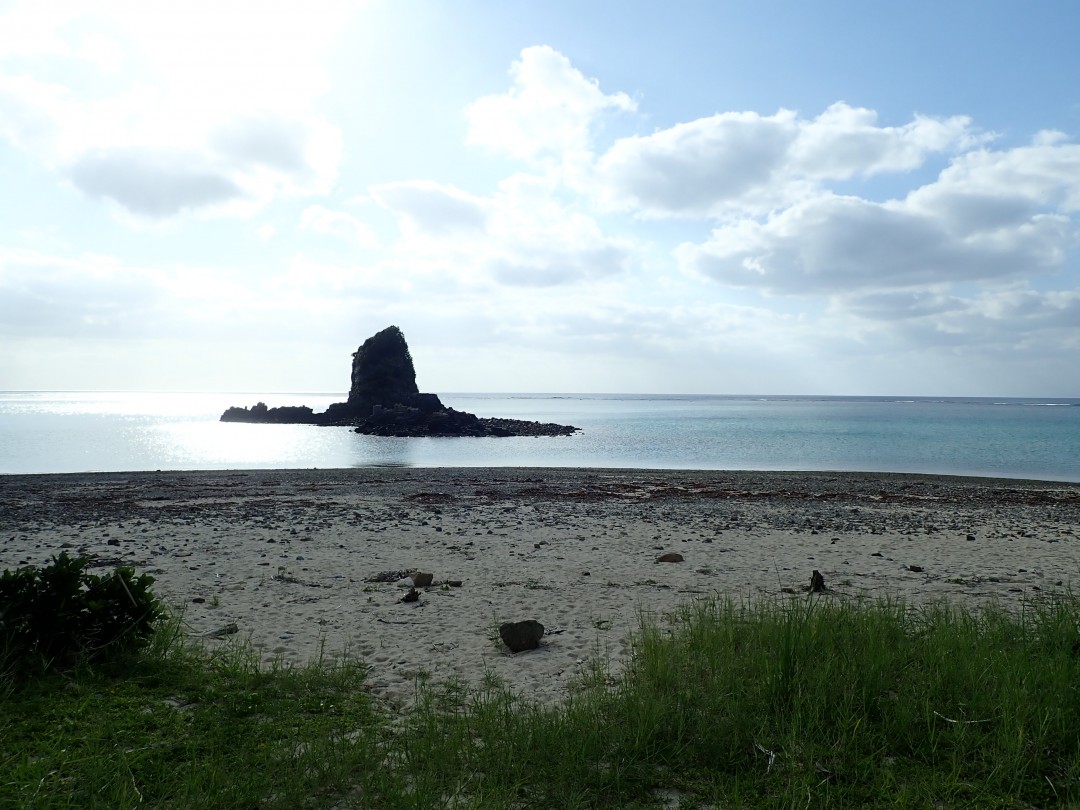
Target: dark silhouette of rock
521,636
383,377
285,415
670,557
382,372
521,427
385,401
817,582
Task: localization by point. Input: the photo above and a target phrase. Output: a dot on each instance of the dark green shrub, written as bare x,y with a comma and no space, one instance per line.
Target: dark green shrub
55,616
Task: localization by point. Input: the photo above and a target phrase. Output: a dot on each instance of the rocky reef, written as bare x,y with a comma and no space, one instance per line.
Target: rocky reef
384,400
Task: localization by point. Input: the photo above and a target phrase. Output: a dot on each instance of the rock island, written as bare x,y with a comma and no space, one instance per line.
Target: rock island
384,401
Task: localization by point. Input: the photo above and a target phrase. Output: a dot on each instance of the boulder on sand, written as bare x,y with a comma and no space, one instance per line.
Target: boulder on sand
521,636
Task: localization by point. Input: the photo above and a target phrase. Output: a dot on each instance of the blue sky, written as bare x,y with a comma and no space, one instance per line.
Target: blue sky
721,197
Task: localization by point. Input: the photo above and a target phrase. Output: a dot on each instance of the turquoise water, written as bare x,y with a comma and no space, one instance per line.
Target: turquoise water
44,432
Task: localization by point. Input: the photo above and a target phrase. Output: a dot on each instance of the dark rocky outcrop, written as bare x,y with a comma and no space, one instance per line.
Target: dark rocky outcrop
383,373
521,427
285,415
384,400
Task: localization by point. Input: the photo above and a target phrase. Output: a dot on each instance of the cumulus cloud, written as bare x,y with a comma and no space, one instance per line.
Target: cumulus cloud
547,266
845,141
832,243
318,219
991,323
1020,317
522,235
691,168
745,162
272,141
164,109
989,216
152,184
897,305
554,261
537,240
28,112
247,160
428,207
95,297
42,295
984,188
548,110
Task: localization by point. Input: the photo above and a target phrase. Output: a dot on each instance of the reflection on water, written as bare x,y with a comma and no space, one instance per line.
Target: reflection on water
77,432
249,445
380,451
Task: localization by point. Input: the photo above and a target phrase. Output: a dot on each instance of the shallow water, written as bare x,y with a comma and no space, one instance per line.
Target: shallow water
46,432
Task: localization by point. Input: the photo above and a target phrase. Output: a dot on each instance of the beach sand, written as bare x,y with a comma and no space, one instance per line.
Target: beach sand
303,562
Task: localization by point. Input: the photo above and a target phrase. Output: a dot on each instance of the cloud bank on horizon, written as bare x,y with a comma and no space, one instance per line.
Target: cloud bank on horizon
227,196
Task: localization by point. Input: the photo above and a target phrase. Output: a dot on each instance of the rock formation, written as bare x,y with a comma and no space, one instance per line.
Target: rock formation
382,376
286,415
385,401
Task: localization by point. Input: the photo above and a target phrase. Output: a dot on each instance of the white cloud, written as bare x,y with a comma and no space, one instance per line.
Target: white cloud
90,296
427,207
993,324
834,243
693,168
94,297
549,265
152,183
243,165
896,305
536,240
277,143
745,162
165,108
990,216
523,235
548,110
983,188
319,219
845,141
30,113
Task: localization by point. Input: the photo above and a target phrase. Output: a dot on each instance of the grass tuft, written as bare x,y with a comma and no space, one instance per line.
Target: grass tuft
809,702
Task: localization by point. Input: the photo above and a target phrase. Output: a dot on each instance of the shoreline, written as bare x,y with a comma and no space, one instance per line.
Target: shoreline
375,469
299,560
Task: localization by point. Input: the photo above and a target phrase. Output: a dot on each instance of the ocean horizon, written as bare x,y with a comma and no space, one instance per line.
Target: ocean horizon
122,431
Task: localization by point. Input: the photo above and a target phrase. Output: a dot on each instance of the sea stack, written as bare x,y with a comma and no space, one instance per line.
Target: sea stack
382,372
383,381
384,400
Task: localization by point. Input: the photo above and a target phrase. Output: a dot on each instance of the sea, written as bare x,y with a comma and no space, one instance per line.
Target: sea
80,431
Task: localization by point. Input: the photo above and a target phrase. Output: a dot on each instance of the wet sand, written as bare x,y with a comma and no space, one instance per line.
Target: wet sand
316,560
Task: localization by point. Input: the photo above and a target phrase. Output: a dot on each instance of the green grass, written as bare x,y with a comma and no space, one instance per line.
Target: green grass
813,702
178,728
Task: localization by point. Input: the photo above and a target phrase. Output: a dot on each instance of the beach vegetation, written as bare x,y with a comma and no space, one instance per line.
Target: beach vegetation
60,614
813,701
181,726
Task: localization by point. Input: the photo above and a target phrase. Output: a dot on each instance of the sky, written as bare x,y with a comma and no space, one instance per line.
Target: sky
722,197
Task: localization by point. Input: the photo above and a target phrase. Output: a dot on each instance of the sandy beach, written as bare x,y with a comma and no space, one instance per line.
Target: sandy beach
318,560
